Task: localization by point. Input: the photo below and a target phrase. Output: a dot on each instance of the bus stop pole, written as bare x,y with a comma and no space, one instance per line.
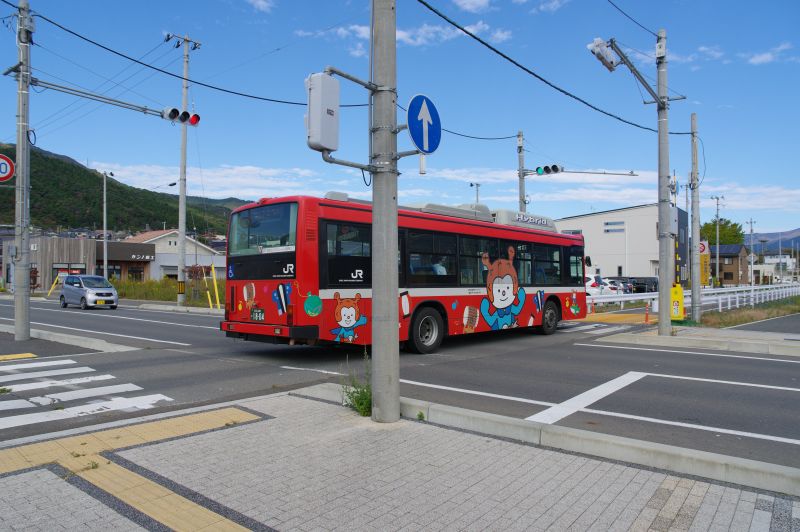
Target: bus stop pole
383,129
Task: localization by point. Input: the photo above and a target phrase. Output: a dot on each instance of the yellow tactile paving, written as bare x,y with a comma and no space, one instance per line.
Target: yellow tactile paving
16,356
81,455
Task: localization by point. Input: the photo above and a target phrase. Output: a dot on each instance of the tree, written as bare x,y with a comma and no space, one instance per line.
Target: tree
729,232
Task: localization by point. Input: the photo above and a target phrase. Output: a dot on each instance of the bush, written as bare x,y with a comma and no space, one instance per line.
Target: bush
357,393
166,289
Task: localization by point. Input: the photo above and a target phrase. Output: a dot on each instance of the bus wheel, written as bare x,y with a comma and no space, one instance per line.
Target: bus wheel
427,331
549,318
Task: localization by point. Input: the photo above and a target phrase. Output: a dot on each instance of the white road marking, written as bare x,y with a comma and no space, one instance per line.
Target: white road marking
15,404
37,374
688,352
767,386
37,365
143,402
607,330
84,393
473,392
579,328
112,316
54,384
104,333
570,406
312,369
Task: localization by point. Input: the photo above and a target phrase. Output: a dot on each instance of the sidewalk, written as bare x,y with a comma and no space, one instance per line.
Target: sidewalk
296,462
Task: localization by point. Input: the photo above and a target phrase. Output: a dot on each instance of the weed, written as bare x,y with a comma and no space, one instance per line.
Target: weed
772,309
358,393
93,465
5,390
58,406
231,423
420,416
77,455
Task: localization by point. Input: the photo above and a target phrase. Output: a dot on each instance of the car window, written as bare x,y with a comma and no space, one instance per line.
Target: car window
96,282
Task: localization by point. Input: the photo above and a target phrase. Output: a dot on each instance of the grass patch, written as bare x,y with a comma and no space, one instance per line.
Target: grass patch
358,392
4,390
167,290
611,307
771,309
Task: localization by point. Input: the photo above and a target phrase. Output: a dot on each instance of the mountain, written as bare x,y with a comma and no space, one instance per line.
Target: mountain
66,194
773,240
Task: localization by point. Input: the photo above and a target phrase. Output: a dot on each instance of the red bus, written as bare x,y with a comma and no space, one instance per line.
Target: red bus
299,272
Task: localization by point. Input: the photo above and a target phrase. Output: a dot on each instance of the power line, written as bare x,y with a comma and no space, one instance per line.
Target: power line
464,134
651,32
537,76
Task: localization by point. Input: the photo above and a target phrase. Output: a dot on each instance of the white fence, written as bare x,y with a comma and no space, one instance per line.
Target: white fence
724,298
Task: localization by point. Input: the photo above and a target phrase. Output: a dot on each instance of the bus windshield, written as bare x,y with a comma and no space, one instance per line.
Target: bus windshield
265,229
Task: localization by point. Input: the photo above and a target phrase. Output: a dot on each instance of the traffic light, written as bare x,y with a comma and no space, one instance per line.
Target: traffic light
545,170
600,49
184,117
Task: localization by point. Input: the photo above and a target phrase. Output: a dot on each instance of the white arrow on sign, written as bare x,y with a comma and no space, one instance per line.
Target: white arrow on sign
425,116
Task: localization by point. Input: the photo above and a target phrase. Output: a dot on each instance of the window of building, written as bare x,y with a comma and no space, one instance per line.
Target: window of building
728,276
619,271
727,260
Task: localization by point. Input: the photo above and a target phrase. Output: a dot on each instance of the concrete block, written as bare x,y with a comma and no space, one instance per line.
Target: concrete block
484,423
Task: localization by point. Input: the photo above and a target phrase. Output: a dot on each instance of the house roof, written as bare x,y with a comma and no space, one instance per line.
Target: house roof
728,249
151,236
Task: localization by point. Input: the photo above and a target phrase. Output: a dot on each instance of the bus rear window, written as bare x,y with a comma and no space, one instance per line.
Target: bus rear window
266,229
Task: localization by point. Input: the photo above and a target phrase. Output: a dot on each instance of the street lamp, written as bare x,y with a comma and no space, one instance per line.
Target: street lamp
477,189
105,232
716,269
166,185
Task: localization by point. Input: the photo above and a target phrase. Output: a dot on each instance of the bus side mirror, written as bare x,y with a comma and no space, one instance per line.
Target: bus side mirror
588,260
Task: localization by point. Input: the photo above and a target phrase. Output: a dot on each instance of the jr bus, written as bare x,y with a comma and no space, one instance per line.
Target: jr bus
299,272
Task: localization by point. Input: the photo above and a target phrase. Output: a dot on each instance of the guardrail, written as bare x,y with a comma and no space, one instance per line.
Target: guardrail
725,298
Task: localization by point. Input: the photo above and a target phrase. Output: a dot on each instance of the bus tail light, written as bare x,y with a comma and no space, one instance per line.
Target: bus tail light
289,315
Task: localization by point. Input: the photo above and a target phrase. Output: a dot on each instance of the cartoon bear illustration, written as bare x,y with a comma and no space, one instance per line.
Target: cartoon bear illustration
502,289
348,316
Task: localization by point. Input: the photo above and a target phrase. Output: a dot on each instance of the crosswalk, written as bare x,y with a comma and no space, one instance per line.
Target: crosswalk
591,328
37,392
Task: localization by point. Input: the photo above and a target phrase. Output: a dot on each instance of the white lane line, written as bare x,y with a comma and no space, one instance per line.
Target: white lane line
606,346
143,402
83,394
15,404
104,333
55,384
37,374
609,330
570,406
579,328
735,383
37,365
761,321
473,392
692,426
98,315
312,369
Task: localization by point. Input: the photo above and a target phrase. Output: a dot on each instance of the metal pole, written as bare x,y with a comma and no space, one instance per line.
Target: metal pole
716,267
780,254
695,186
521,172
182,192
105,231
665,247
385,335
22,265
752,282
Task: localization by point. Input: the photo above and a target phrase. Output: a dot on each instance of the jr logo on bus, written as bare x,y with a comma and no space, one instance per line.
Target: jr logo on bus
358,274
289,268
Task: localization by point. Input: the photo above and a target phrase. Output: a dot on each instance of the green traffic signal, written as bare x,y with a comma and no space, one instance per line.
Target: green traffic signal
552,169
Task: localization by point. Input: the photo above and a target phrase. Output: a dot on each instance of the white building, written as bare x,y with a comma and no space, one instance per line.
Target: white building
624,242
166,260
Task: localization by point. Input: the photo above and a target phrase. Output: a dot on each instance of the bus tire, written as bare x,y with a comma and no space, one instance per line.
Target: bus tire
550,318
427,331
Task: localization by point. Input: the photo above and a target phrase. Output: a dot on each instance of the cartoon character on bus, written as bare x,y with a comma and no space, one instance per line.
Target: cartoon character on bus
505,298
348,316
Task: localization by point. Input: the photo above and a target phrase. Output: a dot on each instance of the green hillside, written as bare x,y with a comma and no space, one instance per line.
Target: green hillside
66,194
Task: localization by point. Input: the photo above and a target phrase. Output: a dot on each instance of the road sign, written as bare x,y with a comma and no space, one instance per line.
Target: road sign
424,125
702,247
6,168
705,268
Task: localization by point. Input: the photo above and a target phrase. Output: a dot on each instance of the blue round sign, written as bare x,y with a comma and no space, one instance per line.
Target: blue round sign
424,125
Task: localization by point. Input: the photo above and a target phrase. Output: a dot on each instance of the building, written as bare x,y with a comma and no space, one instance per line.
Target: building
126,260
624,242
165,263
735,264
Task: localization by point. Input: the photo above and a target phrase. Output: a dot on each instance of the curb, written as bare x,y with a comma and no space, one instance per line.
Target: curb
749,346
188,310
714,466
69,339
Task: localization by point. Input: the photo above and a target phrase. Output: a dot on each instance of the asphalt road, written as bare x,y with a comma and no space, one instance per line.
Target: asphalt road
733,403
785,324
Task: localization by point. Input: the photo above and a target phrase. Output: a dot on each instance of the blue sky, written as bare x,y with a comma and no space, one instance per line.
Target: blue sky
737,63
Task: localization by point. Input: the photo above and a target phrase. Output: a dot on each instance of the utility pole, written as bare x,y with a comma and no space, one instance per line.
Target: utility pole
780,254
105,230
385,334
665,247
521,172
716,268
22,264
477,189
695,255
752,287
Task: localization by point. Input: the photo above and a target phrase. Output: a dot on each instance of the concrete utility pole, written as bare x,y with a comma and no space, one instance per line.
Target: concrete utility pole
523,205
665,246
716,269
21,257
695,186
752,286
385,334
105,230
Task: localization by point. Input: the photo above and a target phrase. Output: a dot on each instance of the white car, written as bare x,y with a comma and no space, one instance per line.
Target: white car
594,285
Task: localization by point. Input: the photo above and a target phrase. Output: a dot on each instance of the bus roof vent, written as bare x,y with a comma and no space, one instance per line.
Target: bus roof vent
471,212
338,196
523,219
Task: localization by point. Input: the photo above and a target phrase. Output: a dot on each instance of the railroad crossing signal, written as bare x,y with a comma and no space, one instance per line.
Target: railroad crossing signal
174,114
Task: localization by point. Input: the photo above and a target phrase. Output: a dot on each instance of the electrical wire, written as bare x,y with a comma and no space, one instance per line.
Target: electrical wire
703,149
463,134
651,32
537,76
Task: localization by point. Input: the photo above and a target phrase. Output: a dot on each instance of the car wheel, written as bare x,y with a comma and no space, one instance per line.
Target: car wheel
427,331
550,318
84,306
62,302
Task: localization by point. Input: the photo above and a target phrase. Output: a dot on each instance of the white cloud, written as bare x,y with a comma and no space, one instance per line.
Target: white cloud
499,36
549,6
473,6
262,5
428,34
770,56
711,52
358,50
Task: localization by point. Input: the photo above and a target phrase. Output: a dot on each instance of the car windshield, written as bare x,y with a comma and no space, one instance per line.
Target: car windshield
96,282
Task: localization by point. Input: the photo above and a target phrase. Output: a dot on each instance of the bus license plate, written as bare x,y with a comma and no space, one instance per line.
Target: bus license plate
101,302
257,314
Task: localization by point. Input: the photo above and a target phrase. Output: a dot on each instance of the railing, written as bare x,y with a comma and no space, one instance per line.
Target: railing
725,298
